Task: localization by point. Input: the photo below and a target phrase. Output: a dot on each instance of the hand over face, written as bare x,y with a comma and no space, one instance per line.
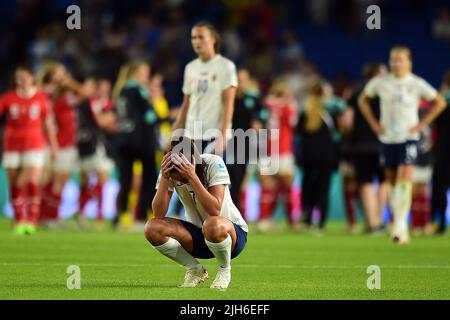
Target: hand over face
166,165
185,168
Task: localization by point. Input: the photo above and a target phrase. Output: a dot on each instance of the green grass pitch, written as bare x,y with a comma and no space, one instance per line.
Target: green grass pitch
282,265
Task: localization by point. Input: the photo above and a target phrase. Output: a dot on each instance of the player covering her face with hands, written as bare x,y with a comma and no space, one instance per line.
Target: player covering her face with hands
214,226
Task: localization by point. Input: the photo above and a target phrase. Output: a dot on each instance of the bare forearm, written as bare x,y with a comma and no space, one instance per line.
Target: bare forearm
50,131
228,102
364,106
210,203
227,118
74,85
439,106
180,122
160,203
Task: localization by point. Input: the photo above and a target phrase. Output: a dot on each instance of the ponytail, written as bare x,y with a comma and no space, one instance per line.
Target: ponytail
122,79
125,73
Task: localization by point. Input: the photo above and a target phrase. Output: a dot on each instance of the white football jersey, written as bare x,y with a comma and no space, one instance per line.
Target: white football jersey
204,82
399,104
216,174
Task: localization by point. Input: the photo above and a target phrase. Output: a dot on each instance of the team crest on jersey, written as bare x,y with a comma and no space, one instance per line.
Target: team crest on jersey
34,111
214,77
14,111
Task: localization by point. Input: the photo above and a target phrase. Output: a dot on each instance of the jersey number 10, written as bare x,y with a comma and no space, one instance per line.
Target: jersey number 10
202,86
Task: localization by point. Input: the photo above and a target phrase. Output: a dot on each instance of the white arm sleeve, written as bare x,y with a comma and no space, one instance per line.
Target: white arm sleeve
229,76
426,90
217,173
371,89
186,84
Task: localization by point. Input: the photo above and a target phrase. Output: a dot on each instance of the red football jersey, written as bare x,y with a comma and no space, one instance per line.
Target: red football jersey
65,119
25,118
282,116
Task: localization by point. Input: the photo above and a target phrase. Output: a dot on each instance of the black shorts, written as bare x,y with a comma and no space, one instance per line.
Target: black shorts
397,154
368,168
201,250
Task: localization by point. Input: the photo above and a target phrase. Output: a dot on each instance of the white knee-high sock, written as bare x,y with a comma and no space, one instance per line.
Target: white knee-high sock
222,251
404,196
393,199
173,250
402,204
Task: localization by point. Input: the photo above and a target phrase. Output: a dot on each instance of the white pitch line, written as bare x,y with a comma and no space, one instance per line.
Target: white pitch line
250,266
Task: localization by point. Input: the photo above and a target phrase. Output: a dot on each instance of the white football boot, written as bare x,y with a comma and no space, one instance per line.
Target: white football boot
400,233
194,277
223,278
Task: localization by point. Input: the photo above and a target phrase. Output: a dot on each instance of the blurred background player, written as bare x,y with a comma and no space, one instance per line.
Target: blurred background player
347,171
4,192
65,94
137,139
399,128
277,181
336,107
27,125
248,114
441,167
365,155
94,114
161,108
318,154
209,89
420,204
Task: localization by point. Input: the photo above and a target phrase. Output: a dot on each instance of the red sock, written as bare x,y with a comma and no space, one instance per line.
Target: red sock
98,193
420,210
18,203
296,198
287,194
44,207
243,204
54,202
349,196
85,196
267,203
34,202
50,203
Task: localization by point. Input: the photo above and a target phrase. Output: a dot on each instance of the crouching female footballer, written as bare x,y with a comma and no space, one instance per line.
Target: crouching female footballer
214,226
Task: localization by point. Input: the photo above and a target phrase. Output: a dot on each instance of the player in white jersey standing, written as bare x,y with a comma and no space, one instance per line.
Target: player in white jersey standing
398,130
209,89
214,226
